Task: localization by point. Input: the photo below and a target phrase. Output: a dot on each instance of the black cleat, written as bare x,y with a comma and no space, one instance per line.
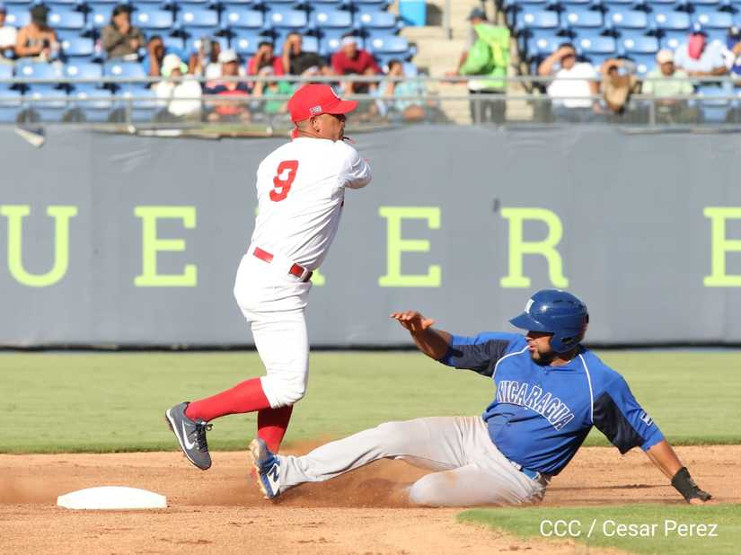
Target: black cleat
191,435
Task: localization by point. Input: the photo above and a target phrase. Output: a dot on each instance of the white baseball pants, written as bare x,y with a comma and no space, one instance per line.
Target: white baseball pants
273,302
471,470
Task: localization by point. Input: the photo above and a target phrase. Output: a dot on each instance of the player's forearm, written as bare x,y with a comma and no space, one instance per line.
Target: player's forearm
663,456
434,343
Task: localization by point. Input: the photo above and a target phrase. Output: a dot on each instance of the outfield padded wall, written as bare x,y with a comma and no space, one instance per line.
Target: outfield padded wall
127,240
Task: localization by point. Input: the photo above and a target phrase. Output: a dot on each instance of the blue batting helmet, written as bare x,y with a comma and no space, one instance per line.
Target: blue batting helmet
556,312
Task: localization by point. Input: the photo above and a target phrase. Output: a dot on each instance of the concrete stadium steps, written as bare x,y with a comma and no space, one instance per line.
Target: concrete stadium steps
437,54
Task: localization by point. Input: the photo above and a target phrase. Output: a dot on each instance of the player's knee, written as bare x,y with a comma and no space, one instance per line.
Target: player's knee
426,491
283,392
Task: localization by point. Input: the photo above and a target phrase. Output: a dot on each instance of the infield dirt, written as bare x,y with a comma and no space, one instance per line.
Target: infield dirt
361,512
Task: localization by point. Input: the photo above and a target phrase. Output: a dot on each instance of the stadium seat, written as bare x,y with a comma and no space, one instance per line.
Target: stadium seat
11,104
198,20
539,47
6,72
378,23
714,108
582,19
99,16
328,46
152,19
325,18
18,17
37,70
670,43
136,105
310,44
288,19
236,18
245,43
18,2
627,19
66,19
672,21
78,47
540,19
46,104
121,70
641,45
597,45
83,70
387,48
89,104
714,20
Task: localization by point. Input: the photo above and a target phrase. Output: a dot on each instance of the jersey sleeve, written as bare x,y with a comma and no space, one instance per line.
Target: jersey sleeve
357,172
479,353
618,415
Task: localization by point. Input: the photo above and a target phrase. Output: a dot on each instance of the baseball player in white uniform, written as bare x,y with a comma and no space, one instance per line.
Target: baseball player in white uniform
300,190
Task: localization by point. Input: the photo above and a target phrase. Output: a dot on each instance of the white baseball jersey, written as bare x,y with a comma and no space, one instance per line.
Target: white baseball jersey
300,192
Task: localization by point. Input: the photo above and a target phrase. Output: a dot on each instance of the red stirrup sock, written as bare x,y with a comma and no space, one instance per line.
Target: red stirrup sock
272,425
247,396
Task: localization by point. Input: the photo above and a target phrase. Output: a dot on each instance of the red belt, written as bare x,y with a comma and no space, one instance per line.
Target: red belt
296,270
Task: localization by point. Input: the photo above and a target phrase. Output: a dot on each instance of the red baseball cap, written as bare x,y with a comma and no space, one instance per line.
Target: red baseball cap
314,100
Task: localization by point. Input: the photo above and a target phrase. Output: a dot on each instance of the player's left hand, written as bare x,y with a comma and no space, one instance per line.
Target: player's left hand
412,320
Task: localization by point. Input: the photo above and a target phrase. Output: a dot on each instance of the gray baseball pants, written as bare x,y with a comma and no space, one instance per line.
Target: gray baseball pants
470,468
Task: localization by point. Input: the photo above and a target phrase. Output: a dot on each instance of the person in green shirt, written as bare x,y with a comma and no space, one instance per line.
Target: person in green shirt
669,82
269,90
487,55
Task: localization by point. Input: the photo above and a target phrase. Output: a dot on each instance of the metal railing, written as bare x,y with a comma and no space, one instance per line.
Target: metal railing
523,101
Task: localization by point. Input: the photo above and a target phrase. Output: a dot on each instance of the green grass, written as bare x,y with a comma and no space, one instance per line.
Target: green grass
663,537
115,402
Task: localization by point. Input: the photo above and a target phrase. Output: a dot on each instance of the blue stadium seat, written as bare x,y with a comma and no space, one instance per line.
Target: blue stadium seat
673,21
48,104
540,19
512,7
152,19
327,18
18,2
328,46
310,44
640,45
64,4
627,19
6,72
139,104
90,103
378,22
712,108
119,69
83,70
37,70
18,17
78,47
99,16
66,19
11,104
245,43
542,46
706,3
596,45
713,20
389,47
288,19
198,20
582,19
237,18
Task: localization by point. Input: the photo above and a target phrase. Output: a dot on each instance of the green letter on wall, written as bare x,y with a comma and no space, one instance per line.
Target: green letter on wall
720,246
151,245
396,246
518,248
15,215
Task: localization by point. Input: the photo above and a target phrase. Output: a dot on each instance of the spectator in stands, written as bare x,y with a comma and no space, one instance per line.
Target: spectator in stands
268,90
700,57
228,110
155,56
119,38
733,51
487,55
298,62
265,57
618,83
8,36
205,60
180,91
573,87
351,60
37,40
665,82
396,95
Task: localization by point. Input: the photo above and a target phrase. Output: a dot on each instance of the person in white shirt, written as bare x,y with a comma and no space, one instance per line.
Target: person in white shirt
574,85
300,191
8,35
180,91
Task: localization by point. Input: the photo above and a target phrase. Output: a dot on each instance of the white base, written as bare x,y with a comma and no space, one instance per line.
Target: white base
111,498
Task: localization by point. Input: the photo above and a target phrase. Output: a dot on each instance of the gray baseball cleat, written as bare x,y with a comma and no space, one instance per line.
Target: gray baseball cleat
191,435
267,467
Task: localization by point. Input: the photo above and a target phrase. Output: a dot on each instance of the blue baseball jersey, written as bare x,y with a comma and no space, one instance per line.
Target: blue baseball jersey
541,415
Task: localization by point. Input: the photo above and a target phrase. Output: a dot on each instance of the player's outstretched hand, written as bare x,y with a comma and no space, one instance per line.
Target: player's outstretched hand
412,320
